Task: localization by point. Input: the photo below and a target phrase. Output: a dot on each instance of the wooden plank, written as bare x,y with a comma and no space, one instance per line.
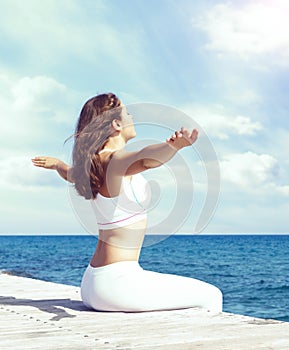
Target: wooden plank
36,314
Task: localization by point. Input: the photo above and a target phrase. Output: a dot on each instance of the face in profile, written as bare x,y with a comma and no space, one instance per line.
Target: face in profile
128,130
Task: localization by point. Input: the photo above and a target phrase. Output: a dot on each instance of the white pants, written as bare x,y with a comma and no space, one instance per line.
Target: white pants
126,286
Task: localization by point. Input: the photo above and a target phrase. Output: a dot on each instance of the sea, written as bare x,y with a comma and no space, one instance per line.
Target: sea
252,271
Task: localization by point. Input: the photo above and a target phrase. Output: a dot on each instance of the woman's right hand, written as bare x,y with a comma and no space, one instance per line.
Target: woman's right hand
54,164
46,162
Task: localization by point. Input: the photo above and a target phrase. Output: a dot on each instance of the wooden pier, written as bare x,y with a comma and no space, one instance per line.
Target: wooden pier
36,314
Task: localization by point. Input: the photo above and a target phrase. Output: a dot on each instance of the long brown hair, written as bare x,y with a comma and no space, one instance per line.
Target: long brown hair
92,132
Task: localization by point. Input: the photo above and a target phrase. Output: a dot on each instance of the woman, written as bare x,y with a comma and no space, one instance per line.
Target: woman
110,177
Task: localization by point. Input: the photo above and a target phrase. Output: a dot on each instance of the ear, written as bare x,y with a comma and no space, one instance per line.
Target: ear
116,124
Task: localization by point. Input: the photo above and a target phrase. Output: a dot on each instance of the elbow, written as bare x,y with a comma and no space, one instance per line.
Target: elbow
69,175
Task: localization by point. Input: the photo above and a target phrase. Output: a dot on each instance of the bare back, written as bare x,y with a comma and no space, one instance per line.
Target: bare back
121,243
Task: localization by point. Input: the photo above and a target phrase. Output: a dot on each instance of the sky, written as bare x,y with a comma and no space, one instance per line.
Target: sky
220,65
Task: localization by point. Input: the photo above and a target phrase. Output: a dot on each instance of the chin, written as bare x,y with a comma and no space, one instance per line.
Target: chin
132,136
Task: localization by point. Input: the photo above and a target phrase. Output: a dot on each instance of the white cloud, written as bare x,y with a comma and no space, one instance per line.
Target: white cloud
238,92
249,169
284,190
34,111
251,216
252,171
218,123
36,93
256,28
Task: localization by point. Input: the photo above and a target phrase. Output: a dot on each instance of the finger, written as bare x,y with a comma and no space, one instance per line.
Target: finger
38,161
186,133
194,133
41,158
38,164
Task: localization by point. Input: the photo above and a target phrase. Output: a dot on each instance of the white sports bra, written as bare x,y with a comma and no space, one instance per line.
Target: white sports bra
128,207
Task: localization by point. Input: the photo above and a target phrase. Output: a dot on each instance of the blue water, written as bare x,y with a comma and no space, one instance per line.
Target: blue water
252,271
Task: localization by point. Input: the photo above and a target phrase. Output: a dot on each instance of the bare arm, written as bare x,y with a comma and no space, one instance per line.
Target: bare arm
54,164
129,163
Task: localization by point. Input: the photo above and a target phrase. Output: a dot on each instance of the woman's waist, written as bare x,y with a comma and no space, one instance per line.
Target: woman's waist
126,237
106,254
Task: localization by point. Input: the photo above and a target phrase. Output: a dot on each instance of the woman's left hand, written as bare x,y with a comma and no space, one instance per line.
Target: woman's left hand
183,138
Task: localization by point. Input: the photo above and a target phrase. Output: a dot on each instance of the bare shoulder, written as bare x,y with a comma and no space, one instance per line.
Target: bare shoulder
126,163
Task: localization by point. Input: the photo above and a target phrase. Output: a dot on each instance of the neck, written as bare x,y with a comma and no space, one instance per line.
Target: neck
116,142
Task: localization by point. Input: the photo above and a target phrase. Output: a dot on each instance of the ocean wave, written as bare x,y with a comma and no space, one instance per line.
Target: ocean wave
284,287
